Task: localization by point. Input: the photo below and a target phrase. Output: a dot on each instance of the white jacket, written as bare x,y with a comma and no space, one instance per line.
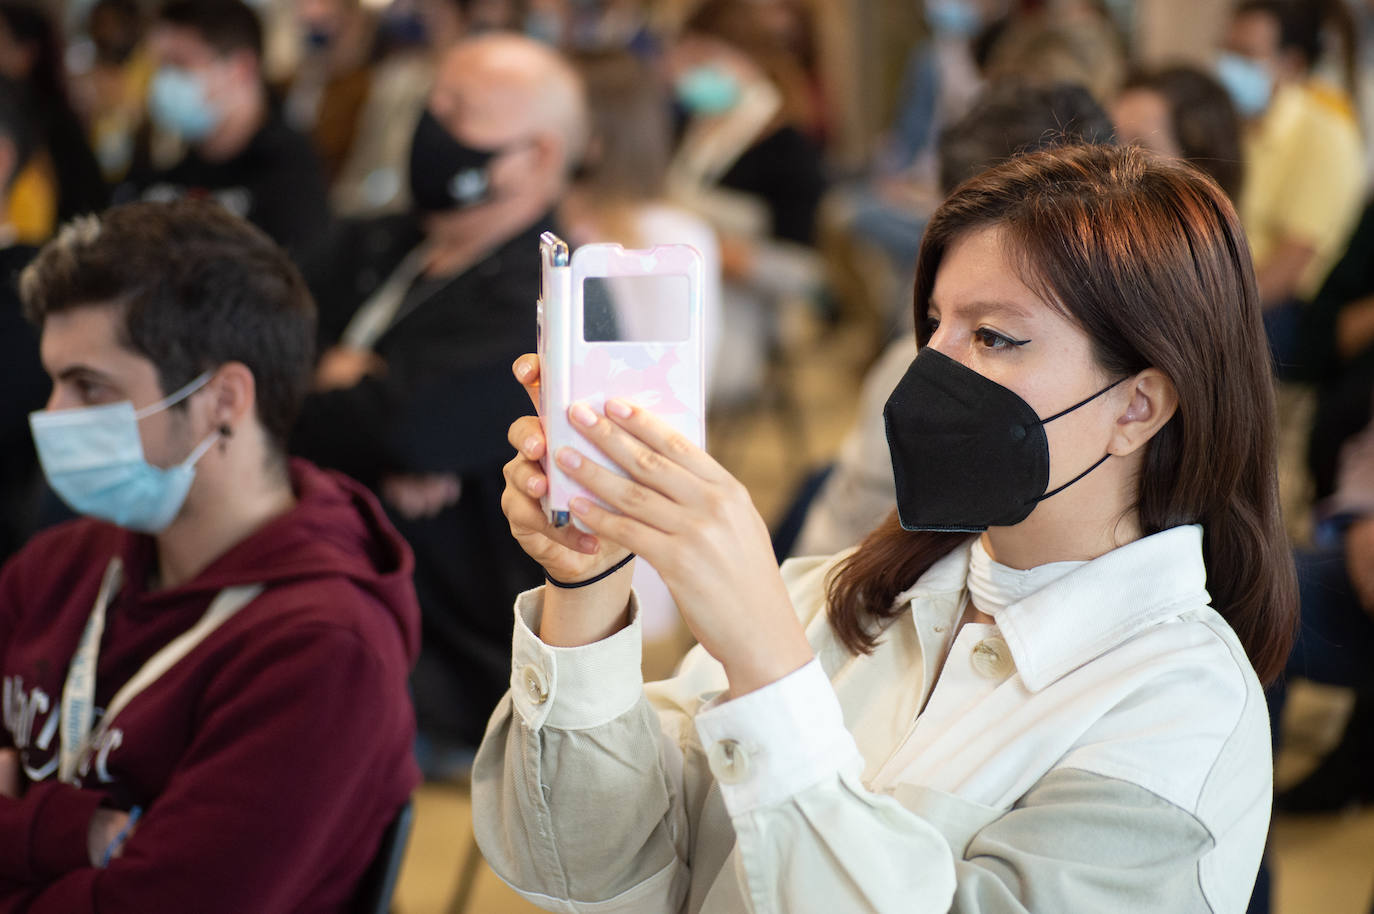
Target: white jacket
1103,748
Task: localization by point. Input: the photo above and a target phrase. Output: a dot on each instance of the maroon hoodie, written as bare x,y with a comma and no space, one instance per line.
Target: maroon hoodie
268,761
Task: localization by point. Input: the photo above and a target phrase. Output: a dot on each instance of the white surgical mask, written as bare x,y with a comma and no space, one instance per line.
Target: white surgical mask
93,459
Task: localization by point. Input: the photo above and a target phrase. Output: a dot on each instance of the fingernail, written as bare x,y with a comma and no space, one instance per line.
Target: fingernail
582,415
535,484
570,458
531,445
522,369
580,505
587,543
618,408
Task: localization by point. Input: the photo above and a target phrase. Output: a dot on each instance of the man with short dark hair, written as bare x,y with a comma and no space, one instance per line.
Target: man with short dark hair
208,92
204,678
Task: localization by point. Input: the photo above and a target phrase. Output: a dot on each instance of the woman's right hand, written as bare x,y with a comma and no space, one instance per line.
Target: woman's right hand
566,553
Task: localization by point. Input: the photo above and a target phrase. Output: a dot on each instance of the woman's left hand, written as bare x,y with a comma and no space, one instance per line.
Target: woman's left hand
696,524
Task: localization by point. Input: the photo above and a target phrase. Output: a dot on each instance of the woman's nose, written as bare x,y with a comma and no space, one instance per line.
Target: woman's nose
943,342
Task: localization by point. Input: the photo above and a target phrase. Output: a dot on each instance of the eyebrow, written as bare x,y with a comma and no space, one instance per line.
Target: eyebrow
996,307
72,372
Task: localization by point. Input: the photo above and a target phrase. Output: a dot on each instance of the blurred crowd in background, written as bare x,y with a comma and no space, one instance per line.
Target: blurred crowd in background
799,144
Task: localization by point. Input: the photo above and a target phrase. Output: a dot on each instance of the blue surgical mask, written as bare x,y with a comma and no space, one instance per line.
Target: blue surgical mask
93,458
177,103
1249,84
708,89
953,18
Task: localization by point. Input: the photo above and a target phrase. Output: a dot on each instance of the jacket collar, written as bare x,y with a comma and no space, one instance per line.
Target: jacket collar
947,576
1090,610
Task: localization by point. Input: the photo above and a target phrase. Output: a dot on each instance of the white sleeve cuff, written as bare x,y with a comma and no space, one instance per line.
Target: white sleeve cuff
765,747
573,688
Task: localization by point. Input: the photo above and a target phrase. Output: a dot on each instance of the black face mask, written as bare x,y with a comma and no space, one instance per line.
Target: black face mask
967,453
444,173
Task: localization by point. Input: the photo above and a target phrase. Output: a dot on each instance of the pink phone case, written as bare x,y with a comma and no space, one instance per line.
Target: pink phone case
666,377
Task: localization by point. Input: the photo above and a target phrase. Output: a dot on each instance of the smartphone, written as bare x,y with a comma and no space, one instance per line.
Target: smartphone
620,324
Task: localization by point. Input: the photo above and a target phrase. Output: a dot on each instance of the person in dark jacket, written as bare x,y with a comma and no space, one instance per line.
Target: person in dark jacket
205,677
1339,341
208,91
421,317
21,373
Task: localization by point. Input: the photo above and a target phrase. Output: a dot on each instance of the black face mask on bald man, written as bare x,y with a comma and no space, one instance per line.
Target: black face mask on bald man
446,174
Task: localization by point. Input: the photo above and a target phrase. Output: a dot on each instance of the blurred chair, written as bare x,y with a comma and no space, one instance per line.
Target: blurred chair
472,857
379,882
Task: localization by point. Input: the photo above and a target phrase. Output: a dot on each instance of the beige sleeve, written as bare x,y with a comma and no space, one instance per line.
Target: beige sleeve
1081,842
577,786
1077,843
589,791
588,797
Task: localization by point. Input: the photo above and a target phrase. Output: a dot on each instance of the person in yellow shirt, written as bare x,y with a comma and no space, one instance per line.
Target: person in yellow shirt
115,88
63,179
31,206
1304,161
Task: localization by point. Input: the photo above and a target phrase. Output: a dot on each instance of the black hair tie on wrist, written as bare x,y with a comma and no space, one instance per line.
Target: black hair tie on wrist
592,580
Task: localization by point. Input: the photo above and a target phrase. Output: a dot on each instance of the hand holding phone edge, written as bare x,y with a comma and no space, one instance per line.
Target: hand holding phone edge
571,617
574,368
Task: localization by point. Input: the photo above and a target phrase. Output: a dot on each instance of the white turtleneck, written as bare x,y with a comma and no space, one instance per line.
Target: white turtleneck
993,586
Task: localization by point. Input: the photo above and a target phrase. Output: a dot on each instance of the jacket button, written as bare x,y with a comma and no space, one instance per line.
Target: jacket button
536,686
729,762
992,658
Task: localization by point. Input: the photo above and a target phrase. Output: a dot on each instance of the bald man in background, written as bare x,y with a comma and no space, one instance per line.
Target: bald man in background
422,315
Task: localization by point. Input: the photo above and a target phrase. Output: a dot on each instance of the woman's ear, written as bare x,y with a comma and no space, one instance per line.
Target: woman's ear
1151,402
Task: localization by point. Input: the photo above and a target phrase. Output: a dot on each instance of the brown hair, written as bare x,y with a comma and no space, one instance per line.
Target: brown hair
1010,117
1203,119
1147,256
631,128
225,25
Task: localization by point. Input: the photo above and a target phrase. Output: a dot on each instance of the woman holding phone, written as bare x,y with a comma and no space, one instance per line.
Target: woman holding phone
1036,687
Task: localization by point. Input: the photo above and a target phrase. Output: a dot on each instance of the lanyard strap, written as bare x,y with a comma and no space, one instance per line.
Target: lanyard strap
79,738
78,694
376,315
